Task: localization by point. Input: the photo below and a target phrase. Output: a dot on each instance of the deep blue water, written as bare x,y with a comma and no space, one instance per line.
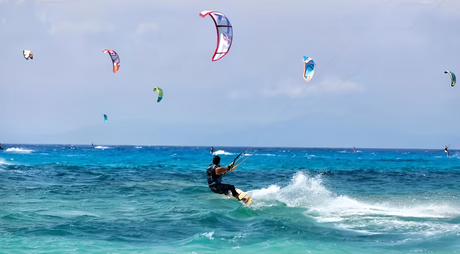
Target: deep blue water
128,199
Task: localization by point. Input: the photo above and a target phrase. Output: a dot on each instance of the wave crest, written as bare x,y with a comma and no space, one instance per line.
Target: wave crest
222,152
18,150
348,213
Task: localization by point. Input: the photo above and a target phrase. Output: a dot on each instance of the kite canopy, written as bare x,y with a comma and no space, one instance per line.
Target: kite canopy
105,118
115,59
28,54
308,68
453,80
160,93
224,33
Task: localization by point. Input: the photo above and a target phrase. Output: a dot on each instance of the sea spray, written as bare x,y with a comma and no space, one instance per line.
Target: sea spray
345,212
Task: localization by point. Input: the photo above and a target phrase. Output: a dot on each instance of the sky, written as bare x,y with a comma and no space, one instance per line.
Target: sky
379,79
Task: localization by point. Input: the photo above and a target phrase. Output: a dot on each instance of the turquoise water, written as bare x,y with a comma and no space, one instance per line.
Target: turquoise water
141,199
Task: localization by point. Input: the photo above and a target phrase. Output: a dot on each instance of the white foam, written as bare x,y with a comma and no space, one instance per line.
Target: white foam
209,235
239,236
69,214
348,213
101,147
4,162
455,155
18,150
222,152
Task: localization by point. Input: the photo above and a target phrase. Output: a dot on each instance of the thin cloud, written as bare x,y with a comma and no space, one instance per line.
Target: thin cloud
292,88
146,28
239,95
17,1
87,27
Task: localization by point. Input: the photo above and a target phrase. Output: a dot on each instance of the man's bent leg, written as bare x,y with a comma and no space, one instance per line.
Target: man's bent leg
225,188
234,193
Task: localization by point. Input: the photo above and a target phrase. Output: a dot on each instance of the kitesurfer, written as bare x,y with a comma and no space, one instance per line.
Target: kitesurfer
215,173
446,150
1,146
212,150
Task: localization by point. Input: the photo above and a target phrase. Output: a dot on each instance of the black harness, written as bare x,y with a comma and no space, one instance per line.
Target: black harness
213,178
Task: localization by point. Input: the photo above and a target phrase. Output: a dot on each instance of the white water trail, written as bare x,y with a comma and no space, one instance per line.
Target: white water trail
346,212
18,150
222,152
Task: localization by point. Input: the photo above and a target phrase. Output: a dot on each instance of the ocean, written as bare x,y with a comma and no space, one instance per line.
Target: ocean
155,199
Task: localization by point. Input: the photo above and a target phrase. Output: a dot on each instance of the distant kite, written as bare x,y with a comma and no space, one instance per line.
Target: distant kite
308,68
224,33
28,54
453,80
160,93
115,59
105,118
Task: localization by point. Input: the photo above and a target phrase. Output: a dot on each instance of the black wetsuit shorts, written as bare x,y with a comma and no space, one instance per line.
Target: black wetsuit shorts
222,188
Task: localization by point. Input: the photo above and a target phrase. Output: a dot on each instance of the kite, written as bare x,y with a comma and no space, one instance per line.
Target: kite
115,59
453,80
224,33
308,68
160,93
105,118
28,54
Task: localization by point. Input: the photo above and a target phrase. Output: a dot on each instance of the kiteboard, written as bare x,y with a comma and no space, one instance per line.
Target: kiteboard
243,196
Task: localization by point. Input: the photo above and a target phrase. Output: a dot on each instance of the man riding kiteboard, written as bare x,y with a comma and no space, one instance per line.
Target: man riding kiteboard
215,173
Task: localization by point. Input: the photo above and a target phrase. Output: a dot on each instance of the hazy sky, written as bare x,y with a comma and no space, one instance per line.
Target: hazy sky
379,77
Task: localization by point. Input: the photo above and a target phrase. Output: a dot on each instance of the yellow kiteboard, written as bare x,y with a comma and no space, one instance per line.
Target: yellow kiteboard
243,196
